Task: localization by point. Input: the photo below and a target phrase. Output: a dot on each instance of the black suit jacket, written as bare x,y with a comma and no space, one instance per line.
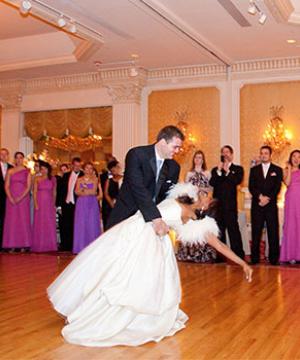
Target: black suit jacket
62,188
139,190
225,186
2,190
269,186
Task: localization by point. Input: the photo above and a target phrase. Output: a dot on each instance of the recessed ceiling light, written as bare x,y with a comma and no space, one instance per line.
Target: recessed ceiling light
291,41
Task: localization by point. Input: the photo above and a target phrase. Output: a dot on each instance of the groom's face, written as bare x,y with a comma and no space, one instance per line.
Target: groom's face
170,148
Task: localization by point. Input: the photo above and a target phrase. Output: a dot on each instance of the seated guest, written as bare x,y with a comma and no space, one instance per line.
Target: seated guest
290,245
87,210
44,223
198,176
112,185
17,227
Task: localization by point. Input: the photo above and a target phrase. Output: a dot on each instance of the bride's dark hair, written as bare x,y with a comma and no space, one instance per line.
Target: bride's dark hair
185,199
211,211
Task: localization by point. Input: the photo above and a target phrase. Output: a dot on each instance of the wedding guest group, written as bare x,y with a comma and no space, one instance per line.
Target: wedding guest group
86,204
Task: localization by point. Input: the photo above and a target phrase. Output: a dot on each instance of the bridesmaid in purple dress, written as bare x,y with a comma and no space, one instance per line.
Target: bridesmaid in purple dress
17,227
87,210
290,246
44,223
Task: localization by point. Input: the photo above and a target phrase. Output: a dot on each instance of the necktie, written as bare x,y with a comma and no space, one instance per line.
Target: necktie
159,163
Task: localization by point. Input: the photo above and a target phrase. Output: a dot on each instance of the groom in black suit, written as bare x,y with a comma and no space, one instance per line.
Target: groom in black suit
149,173
264,185
4,167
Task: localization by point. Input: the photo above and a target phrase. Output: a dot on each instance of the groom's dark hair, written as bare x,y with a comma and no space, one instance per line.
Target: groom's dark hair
168,132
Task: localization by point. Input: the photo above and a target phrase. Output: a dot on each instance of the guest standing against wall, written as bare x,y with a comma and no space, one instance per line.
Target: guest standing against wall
290,245
5,166
87,210
44,222
198,176
66,204
112,186
225,179
17,226
264,185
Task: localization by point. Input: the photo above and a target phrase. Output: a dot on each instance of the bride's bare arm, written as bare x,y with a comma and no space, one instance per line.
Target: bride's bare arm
226,251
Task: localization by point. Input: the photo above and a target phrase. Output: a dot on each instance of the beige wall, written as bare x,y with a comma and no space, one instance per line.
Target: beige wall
256,101
203,117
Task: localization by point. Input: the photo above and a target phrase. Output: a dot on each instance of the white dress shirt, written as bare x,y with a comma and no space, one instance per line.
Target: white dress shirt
4,169
71,185
265,168
159,164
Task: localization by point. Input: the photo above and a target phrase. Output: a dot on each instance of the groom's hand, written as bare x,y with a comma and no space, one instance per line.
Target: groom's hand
160,227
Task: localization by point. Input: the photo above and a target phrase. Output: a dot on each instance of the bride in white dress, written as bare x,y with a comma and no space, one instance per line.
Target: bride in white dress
124,288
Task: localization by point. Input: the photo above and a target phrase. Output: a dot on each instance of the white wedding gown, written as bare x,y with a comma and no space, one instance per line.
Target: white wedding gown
124,288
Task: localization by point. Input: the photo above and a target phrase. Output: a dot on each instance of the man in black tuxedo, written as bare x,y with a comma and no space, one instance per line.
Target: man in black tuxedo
149,174
225,179
4,154
65,202
104,175
264,185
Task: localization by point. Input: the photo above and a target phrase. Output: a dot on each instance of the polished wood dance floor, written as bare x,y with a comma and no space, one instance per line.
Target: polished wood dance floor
229,318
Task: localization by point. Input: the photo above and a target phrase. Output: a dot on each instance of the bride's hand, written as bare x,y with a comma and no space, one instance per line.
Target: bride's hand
248,272
160,227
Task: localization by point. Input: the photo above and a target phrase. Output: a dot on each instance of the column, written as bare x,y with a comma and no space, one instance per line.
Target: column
128,127
11,122
230,116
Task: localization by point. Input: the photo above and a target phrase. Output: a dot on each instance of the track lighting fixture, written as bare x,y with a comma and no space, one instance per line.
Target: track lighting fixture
262,18
72,27
253,9
60,19
61,22
25,6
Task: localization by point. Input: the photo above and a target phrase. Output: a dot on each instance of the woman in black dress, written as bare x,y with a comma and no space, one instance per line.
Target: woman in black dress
112,185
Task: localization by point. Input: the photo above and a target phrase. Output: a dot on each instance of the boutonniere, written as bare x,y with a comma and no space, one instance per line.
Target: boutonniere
273,174
233,172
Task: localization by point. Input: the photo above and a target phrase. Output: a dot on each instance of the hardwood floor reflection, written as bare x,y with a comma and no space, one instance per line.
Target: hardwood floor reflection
229,318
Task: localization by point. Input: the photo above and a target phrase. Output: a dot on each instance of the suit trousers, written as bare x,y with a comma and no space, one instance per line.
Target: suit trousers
260,215
228,220
67,227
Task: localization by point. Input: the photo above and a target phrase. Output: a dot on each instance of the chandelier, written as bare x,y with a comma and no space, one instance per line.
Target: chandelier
74,143
276,135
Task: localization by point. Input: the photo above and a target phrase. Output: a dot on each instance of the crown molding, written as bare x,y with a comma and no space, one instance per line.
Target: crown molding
122,78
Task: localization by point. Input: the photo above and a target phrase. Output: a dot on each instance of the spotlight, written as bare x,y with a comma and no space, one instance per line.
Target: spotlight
72,27
25,6
262,18
61,22
252,8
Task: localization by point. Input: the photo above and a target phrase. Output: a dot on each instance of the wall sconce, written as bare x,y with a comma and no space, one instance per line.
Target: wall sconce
276,135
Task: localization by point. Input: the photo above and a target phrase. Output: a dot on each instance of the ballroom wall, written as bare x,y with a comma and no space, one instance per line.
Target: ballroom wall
202,109
256,101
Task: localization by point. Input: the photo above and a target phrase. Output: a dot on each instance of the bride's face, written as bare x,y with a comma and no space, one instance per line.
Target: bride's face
202,203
